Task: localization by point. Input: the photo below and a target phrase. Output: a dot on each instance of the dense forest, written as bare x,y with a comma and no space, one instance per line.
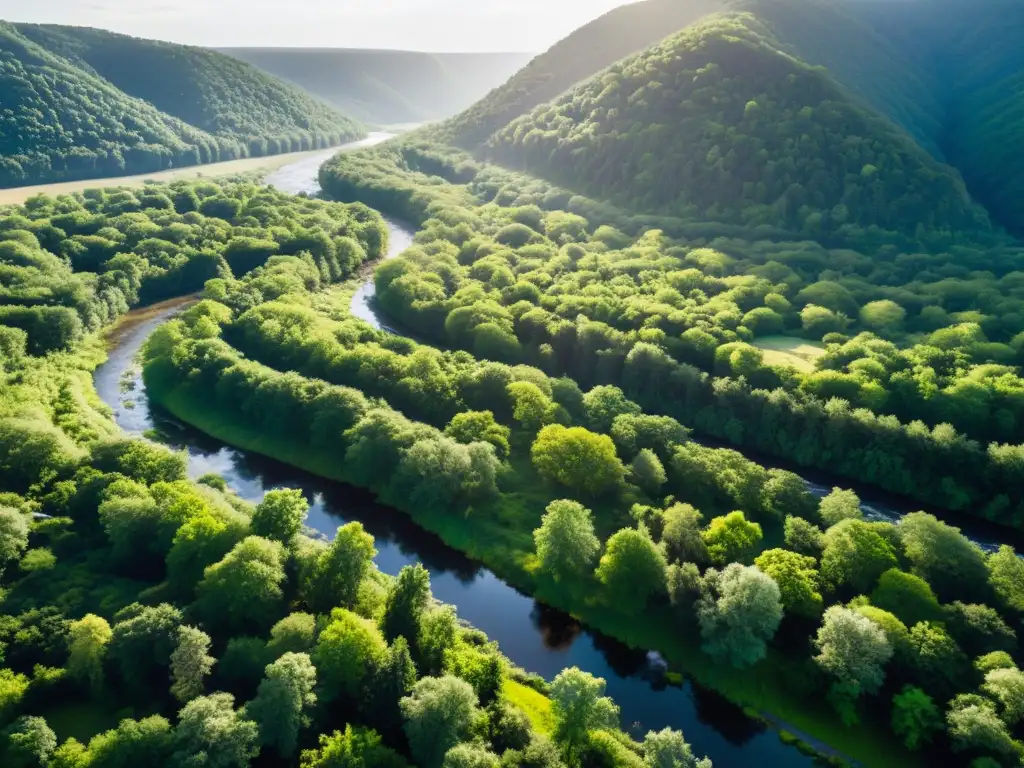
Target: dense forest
674,261
940,74
169,623
81,103
676,324
717,124
388,87
618,33
586,491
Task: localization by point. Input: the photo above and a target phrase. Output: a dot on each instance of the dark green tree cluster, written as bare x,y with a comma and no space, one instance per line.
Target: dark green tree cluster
201,630
717,124
589,49
81,103
73,264
677,324
897,617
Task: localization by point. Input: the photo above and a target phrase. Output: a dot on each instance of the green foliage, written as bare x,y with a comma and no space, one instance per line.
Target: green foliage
405,604
578,459
13,535
725,160
797,577
280,515
243,591
283,702
210,726
355,748
668,749
339,569
915,718
439,713
1006,575
632,569
566,543
197,106
470,756
839,505
588,50
855,556
853,650
731,539
906,596
803,537
29,743
739,611
579,706
137,742
347,652
190,663
87,647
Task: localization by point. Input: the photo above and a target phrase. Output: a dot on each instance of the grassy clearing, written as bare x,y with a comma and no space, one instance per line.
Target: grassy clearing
19,195
534,705
499,535
790,350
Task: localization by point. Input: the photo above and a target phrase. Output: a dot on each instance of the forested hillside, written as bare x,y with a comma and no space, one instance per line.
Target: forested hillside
206,89
86,104
384,87
975,48
589,49
719,124
61,122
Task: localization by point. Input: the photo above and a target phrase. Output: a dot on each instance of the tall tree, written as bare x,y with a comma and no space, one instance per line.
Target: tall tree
212,733
406,601
190,663
283,702
244,590
668,749
339,570
578,705
279,517
739,611
854,651
632,569
566,543
439,713
87,647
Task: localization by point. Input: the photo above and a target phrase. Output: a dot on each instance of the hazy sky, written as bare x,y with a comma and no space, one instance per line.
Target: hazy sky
430,25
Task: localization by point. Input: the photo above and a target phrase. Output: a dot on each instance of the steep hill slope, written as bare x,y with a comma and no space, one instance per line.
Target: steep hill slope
588,50
888,70
976,50
720,123
388,86
206,89
59,122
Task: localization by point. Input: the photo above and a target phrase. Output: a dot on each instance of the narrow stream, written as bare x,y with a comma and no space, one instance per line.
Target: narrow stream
538,638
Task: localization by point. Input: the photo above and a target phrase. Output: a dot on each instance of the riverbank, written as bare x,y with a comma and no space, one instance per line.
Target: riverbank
767,687
267,163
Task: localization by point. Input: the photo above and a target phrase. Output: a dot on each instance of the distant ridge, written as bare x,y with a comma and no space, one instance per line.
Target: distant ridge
384,86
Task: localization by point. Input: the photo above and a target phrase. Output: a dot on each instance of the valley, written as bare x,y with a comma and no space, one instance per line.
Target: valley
651,401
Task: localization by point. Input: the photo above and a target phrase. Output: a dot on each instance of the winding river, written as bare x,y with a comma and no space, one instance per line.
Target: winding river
538,638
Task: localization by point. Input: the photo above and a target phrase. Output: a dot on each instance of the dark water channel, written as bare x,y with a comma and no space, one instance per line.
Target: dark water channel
538,638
